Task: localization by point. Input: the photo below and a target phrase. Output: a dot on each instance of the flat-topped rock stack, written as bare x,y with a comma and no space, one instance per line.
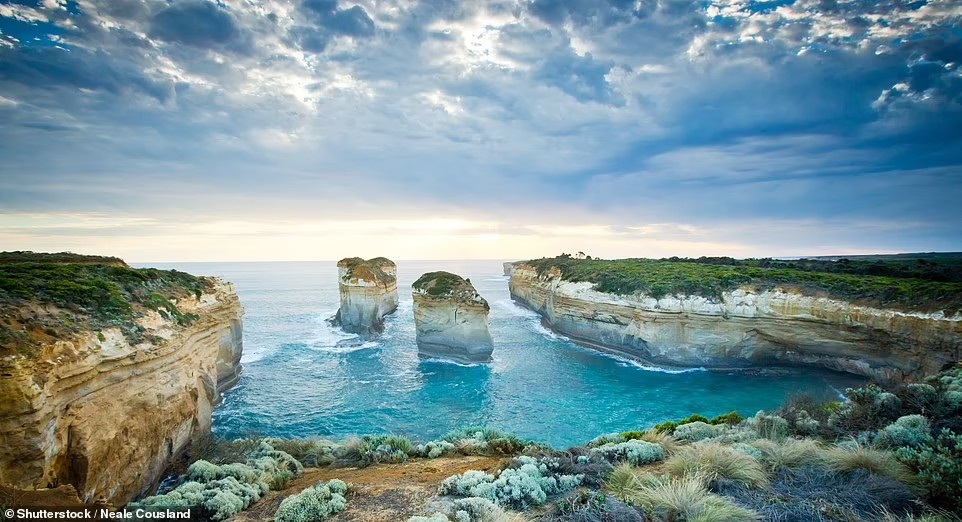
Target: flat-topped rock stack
368,293
451,319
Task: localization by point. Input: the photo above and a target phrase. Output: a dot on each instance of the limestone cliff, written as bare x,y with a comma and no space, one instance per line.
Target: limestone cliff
451,319
368,293
101,395
746,327
508,266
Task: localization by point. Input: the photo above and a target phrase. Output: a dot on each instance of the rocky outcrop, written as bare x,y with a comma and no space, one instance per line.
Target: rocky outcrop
746,328
451,319
368,293
105,416
508,267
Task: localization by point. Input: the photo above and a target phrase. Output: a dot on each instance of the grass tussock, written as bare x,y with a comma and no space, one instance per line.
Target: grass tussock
790,453
875,461
688,499
712,461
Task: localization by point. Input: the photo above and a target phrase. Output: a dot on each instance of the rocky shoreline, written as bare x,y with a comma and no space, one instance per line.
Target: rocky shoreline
747,328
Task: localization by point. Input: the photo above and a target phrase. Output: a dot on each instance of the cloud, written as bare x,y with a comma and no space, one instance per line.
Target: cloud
619,116
199,23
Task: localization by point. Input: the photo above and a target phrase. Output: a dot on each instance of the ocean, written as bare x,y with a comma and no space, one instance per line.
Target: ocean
297,382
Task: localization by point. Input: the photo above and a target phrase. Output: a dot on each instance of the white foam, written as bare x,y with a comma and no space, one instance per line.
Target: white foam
649,368
441,360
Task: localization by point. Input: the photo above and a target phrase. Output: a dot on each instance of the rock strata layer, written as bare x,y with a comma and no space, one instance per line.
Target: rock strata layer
368,293
106,417
746,328
451,319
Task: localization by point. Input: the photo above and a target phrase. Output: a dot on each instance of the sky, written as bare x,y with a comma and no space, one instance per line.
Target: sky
192,130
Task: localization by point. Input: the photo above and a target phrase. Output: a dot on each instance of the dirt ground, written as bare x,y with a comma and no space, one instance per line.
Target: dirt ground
381,493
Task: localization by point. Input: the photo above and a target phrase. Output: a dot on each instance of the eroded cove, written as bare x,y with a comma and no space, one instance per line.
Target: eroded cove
298,381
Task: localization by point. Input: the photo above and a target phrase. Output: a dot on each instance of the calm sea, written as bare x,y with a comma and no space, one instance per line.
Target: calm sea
297,382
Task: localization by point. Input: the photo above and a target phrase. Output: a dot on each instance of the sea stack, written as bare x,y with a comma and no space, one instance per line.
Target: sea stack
451,319
508,267
368,293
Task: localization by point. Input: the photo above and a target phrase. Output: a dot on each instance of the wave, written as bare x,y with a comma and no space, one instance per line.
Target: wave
622,361
441,360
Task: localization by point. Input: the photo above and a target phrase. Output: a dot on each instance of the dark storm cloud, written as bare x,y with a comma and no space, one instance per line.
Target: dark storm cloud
198,23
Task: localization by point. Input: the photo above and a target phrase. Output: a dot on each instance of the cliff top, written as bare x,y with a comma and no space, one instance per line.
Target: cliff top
52,296
369,270
445,284
905,284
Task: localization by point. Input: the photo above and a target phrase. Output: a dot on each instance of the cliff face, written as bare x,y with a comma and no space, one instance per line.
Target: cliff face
94,411
745,328
451,319
368,293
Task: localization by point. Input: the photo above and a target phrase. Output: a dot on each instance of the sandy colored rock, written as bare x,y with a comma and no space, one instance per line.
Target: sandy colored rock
451,319
368,292
746,328
105,416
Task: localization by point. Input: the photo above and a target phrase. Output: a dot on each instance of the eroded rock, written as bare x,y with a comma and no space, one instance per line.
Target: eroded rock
451,319
368,293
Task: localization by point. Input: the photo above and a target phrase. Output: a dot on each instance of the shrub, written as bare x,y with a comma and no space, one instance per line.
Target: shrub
688,499
712,461
731,418
867,408
920,396
805,425
879,462
747,449
665,427
815,494
938,467
317,502
484,441
637,452
790,453
589,506
729,434
311,453
771,427
219,499
910,430
227,489
371,449
694,431
474,509
529,484
435,449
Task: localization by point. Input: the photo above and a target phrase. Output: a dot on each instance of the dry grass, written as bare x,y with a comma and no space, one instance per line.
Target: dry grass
712,461
790,453
688,499
623,482
664,440
879,462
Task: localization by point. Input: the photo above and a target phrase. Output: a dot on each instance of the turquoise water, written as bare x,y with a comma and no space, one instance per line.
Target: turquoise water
297,382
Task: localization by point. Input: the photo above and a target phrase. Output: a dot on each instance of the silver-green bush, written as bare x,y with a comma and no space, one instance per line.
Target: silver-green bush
910,430
317,502
637,452
695,431
528,484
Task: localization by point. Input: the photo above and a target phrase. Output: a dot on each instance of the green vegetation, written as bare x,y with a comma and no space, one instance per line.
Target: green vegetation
317,502
922,285
880,455
94,292
222,491
440,283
